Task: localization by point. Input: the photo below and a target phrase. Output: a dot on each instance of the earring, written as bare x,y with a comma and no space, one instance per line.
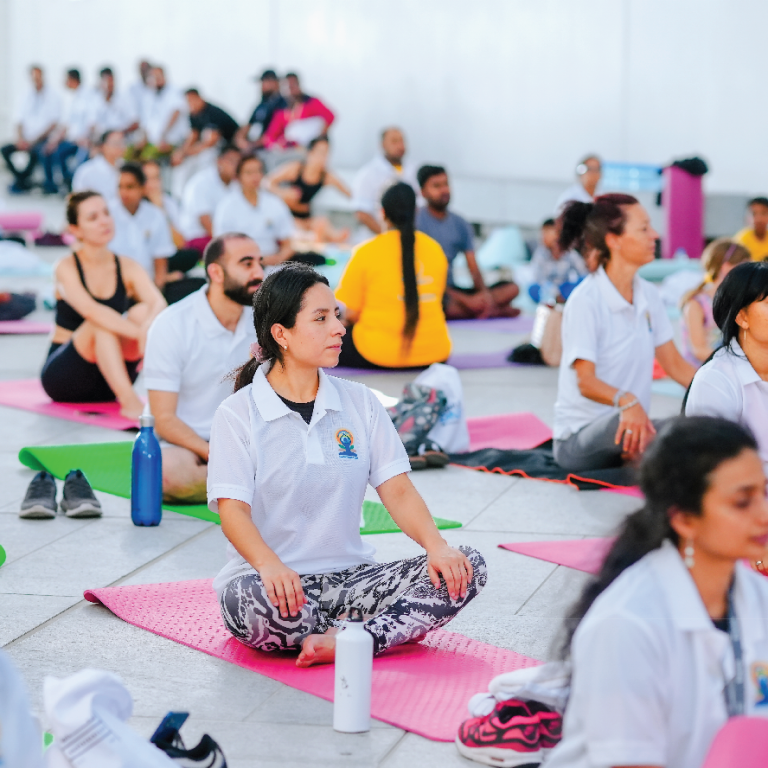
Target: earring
688,552
285,346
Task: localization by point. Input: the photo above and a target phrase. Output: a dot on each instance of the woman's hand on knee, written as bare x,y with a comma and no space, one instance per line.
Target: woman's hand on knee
453,565
283,587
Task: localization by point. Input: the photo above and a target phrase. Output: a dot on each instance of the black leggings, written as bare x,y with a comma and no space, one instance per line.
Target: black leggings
68,378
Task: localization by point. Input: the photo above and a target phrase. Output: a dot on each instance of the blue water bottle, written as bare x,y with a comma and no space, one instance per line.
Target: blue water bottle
146,475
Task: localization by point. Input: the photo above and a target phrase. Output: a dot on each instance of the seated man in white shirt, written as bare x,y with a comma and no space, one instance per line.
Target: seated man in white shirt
113,111
588,174
202,193
259,214
164,118
73,133
141,229
378,175
102,172
191,347
36,122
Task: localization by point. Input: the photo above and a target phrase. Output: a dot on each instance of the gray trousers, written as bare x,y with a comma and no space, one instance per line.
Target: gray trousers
594,446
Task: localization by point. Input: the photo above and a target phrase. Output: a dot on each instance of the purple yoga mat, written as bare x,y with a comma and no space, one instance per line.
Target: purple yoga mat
521,324
464,361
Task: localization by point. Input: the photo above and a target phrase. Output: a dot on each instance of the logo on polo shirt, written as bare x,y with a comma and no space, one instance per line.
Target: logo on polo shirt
346,441
760,679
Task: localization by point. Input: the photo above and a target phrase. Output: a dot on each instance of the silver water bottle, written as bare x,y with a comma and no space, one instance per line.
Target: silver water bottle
354,669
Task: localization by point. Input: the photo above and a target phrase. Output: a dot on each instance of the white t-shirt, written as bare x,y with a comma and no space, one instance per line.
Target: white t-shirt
575,192
620,338
375,178
202,193
729,387
304,483
113,115
78,113
144,236
190,352
269,221
39,111
649,668
97,174
158,108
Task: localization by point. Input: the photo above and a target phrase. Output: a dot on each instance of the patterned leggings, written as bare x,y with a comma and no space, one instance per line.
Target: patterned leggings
398,600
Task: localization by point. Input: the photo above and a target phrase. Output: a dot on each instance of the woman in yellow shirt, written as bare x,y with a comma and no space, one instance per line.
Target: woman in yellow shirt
393,290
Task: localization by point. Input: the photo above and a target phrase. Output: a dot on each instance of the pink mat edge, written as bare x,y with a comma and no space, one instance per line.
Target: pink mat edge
91,595
517,546
31,327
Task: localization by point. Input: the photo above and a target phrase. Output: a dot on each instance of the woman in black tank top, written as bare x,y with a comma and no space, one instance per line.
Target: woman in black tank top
104,307
297,183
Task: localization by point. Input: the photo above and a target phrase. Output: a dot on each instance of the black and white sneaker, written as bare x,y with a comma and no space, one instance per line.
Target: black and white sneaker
433,454
207,754
40,500
78,500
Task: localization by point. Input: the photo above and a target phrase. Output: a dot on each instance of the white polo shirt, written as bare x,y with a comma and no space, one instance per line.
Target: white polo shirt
649,668
97,174
269,221
39,111
729,387
78,113
375,178
575,192
113,115
620,338
156,114
144,236
190,352
202,193
304,483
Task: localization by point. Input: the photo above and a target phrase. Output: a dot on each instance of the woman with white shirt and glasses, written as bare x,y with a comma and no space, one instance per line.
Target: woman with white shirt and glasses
614,324
291,454
733,384
671,639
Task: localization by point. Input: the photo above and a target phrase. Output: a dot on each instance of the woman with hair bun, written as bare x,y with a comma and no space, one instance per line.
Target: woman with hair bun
701,336
292,452
614,324
734,383
670,640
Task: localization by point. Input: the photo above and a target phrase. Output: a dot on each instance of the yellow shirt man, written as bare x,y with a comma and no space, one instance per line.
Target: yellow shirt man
758,248
372,285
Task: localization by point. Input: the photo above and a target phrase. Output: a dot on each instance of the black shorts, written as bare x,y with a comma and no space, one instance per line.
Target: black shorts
67,378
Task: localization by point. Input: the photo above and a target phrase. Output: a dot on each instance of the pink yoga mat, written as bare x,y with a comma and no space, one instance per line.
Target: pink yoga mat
582,554
28,395
742,741
629,490
507,431
520,324
420,687
24,326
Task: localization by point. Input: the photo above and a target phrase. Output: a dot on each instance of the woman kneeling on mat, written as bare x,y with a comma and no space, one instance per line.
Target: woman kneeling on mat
291,454
671,639
614,323
99,338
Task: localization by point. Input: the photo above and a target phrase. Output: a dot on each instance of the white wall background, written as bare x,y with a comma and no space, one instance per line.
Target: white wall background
507,93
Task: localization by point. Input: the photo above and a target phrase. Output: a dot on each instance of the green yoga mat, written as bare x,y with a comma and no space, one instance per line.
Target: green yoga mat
108,468
2,555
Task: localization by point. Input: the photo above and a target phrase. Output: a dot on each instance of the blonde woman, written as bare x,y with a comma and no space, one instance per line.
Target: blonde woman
700,334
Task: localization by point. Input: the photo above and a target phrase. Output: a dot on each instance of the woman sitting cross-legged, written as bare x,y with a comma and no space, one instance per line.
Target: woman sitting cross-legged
291,454
614,324
671,639
99,338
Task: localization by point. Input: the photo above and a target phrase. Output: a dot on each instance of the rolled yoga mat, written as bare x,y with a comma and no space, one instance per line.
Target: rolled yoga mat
29,395
421,687
582,554
24,327
108,468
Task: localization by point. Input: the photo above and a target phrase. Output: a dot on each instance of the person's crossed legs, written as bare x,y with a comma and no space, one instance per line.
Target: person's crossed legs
185,476
467,305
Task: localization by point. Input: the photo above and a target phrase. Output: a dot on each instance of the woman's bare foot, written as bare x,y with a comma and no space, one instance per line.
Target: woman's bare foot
318,649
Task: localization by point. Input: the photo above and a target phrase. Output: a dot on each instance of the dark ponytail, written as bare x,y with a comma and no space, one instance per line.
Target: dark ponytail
674,475
585,225
278,300
399,204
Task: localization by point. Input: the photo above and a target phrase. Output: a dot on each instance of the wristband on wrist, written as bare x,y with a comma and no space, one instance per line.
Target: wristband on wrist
626,407
619,394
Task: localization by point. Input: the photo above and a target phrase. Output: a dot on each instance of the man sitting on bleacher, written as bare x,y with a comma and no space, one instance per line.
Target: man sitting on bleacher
455,236
191,348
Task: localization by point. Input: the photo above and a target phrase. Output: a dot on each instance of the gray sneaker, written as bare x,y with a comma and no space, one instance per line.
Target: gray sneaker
40,500
78,500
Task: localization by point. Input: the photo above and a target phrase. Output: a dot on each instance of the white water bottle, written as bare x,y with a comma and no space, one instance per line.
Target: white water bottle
354,668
